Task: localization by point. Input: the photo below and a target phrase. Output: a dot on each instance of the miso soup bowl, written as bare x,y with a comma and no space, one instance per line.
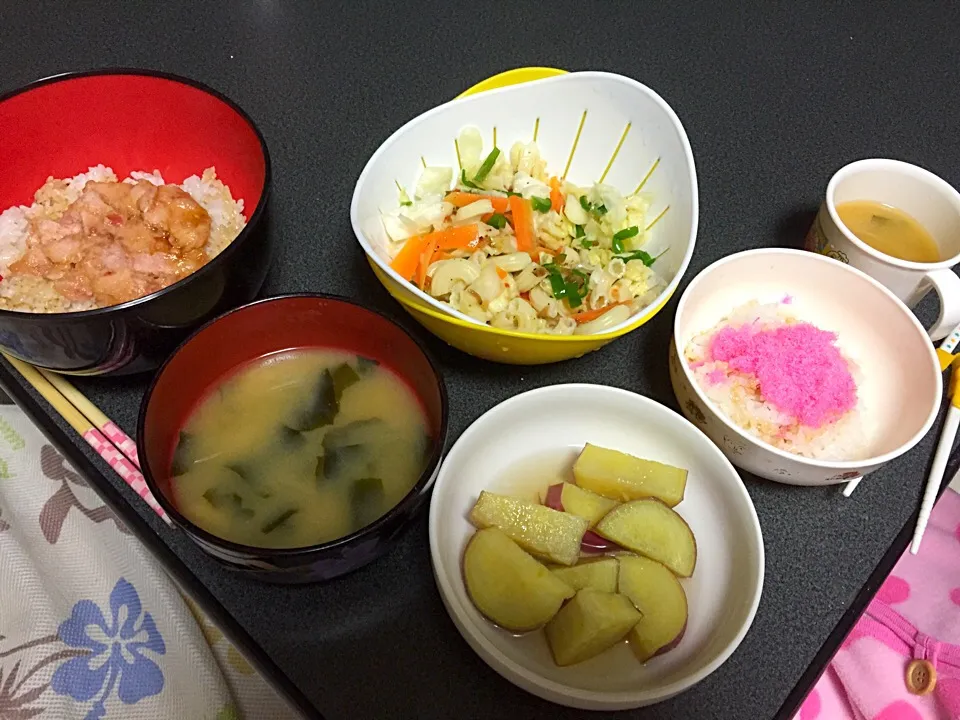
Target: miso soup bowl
275,324
899,384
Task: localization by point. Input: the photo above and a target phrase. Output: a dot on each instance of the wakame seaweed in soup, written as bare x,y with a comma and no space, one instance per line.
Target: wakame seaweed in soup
299,448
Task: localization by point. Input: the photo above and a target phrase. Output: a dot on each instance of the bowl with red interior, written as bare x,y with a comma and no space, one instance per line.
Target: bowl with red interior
294,438
132,208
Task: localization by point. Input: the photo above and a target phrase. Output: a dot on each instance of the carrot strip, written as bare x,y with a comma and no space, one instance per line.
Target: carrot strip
522,223
426,258
502,273
460,199
406,262
456,238
556,196
589,315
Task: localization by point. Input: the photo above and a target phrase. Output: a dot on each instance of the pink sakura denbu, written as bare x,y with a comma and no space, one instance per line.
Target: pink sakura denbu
798,368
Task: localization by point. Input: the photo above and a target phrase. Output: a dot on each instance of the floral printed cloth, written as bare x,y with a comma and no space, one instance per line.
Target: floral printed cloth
90,625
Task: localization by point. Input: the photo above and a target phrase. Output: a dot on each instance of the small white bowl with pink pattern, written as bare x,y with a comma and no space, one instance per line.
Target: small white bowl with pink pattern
899,385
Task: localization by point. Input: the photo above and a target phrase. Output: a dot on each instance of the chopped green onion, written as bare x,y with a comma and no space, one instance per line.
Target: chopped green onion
540,204
580,232
406,203
642,256
622,235
487,166
587,243
599,209
573,296
557,285
467,183
497,220
510,193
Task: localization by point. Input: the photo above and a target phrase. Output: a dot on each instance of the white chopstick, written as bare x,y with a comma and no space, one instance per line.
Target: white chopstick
946,357
944,447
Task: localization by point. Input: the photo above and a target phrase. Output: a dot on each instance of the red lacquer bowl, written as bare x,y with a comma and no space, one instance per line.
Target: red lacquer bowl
250,332
133,120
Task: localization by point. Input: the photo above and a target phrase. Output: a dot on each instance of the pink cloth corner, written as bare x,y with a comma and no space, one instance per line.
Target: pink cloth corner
915,614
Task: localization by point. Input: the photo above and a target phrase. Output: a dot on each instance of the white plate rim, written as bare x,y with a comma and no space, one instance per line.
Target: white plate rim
548,689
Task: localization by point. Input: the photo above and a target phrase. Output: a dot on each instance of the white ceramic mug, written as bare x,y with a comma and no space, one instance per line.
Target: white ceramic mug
929,199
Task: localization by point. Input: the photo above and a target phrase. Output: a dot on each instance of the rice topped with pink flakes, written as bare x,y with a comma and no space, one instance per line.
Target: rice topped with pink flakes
783,380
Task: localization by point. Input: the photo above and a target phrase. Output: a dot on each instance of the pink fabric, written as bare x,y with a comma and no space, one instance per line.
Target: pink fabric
915,615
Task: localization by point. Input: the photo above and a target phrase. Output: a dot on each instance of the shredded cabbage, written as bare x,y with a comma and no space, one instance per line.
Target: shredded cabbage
576,266
434,181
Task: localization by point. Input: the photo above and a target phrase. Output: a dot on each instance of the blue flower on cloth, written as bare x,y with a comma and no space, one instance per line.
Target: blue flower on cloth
117,656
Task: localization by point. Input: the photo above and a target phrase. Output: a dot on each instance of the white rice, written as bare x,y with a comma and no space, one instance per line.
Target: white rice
738,395
33,294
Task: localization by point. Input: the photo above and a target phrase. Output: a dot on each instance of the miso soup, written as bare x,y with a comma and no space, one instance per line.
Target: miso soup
889,230
299,448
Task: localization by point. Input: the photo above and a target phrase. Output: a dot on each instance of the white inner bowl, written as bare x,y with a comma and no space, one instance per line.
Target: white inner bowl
723,593
586,110
900,386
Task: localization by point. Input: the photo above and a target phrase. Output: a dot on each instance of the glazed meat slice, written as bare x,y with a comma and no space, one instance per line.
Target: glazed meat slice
174,212
118,242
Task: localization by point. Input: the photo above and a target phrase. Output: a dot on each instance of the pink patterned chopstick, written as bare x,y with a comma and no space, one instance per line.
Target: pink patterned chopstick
123,466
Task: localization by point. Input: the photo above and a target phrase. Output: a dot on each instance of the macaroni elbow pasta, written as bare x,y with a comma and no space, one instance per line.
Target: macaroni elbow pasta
504,242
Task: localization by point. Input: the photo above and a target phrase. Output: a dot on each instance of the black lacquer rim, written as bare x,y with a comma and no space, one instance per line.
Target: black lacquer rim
227,252
367,530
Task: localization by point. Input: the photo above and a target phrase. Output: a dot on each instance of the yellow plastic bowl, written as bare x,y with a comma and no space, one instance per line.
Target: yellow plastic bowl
506,346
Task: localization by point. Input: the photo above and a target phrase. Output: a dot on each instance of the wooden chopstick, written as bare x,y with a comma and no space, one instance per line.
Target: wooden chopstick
54,392
113,433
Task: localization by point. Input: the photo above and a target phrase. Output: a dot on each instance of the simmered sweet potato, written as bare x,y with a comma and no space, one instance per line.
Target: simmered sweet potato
623,477
657,593
547,533
507,585
567,497
597,573
651,528
592,622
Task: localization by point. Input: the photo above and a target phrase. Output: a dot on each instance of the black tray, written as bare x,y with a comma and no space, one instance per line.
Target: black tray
774,99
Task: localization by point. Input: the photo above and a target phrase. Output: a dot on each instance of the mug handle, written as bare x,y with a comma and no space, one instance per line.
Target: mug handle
947,285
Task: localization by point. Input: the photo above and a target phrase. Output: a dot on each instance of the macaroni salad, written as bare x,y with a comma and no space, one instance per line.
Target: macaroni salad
519,249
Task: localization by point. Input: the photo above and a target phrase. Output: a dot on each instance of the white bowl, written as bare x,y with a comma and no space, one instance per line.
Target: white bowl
900,386
585,111
723,593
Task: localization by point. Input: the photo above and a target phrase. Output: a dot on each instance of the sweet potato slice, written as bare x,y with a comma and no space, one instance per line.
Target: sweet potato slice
657,593
597,573
570,498
507,585
592,622
623,477
651,528
547,533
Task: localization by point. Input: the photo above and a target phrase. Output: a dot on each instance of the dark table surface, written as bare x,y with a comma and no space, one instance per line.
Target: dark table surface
775,97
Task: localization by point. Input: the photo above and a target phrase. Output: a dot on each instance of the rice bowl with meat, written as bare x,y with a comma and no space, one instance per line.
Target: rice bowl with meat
92,241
